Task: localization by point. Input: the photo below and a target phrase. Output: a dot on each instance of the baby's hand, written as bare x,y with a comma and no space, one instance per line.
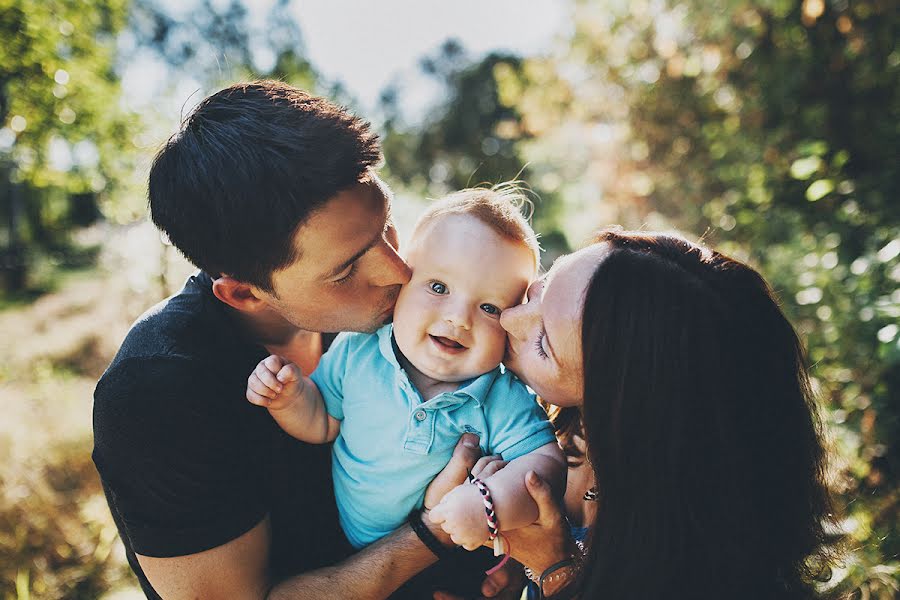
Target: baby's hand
461,514
276,383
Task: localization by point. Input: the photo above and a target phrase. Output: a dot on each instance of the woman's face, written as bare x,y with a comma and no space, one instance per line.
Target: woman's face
544,347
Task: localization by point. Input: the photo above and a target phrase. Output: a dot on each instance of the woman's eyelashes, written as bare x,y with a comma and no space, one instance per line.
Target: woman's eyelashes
539,344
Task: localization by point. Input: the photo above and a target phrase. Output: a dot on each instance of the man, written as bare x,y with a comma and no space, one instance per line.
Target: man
272,193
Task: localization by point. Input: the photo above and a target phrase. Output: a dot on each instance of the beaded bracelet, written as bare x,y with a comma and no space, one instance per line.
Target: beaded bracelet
493,525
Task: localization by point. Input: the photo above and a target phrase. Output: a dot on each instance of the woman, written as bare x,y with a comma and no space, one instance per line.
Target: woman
699,424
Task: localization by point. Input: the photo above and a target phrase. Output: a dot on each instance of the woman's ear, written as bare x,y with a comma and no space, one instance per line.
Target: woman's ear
236,294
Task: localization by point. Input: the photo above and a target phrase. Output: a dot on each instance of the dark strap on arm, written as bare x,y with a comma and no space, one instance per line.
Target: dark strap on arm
428,538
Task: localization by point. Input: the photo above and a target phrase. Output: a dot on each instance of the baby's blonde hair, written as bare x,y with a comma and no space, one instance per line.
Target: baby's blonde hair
499,207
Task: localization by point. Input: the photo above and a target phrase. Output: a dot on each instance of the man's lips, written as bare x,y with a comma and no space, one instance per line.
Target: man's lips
447,344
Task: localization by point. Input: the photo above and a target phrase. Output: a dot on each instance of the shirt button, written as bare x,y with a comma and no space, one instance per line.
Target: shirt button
420,415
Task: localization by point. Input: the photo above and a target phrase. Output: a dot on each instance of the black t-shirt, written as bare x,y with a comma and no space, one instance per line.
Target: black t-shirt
187,463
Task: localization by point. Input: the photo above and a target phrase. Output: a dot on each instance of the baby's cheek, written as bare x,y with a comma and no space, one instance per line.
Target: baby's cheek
494,344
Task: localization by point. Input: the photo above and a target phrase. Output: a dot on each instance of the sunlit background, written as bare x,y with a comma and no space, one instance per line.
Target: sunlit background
769,129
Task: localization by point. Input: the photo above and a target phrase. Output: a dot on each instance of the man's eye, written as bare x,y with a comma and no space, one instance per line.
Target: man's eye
437,287
347,276
490,309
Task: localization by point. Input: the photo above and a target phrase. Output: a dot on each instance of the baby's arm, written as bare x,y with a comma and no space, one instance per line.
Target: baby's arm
293,400
461,512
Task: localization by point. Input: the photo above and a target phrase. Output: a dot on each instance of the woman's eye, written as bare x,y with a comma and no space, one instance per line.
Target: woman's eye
437,287
490,309
539,345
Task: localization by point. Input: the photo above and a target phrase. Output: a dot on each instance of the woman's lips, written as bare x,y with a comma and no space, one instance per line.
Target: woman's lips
447,345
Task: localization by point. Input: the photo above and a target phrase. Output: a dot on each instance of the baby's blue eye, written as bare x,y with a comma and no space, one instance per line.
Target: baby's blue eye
490,309
437,287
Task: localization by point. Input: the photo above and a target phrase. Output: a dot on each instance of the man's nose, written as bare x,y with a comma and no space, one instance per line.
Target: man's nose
392,269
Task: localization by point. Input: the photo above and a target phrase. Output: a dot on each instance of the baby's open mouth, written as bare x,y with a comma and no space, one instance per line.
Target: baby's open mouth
447,342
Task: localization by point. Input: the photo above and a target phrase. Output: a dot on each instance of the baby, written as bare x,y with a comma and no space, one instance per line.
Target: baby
396,401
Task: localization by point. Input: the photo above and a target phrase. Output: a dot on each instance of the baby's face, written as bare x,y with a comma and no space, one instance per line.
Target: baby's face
447,318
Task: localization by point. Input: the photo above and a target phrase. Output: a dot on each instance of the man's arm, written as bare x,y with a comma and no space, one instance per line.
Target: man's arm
237,570
374,572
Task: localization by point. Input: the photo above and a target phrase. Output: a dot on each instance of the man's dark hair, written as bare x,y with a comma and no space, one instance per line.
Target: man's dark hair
248,167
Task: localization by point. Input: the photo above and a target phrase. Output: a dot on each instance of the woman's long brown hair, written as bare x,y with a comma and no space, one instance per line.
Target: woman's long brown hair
701,430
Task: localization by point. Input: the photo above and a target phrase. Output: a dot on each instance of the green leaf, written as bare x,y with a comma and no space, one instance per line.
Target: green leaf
819,189
803,168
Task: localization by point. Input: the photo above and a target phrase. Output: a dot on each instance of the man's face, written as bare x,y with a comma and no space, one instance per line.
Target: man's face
447,322
348,273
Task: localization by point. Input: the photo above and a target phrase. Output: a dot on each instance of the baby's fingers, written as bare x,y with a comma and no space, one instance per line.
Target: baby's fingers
483,463
289,373
491,468
437,515
258,387
257,399
265,372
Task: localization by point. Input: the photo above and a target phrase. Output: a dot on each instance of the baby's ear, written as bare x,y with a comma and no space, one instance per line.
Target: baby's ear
242,296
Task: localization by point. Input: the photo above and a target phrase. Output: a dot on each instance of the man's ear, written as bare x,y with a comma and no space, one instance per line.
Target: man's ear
239,295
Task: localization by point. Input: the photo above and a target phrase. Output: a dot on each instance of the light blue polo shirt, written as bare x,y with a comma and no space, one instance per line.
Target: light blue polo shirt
391,444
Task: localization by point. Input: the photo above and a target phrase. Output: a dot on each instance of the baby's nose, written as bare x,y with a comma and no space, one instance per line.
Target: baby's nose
459,316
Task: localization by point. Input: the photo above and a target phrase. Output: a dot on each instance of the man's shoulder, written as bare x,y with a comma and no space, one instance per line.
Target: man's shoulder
168,328
182,342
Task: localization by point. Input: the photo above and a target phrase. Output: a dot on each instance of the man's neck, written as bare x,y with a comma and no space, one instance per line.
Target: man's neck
280,337
304,349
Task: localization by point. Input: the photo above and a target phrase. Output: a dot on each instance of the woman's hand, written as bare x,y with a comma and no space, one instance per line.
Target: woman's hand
546,541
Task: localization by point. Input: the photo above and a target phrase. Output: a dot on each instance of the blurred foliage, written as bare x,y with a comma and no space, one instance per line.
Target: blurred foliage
56,535
71,149
61,127
471,137
217,43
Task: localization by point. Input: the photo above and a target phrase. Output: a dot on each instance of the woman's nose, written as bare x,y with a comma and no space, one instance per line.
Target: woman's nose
516,320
